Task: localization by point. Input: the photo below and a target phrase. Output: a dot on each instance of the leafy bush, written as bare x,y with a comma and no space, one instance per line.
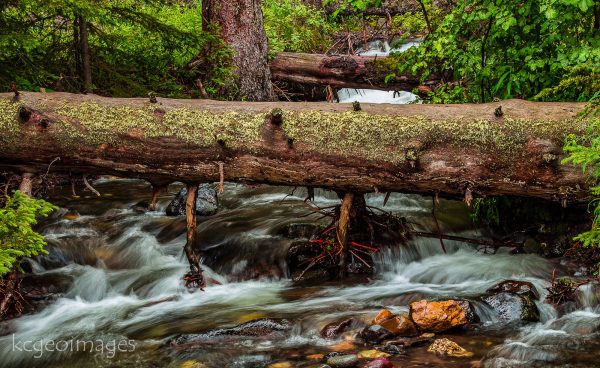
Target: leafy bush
17,237
295,27
510,48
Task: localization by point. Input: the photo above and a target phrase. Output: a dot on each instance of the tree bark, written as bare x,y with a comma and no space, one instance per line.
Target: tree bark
450,149
84,49
342,71
240,23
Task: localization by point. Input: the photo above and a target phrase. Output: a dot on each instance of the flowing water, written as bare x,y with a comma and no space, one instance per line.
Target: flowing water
117,273
121,274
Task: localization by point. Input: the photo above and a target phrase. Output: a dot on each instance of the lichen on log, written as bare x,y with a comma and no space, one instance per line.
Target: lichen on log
410,148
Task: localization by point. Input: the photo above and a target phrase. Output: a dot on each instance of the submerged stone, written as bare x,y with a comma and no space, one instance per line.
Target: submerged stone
343,361
336,328
400,326
378,363
448,347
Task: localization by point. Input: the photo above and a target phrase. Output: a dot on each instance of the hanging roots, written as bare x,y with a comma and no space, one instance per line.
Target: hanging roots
354,234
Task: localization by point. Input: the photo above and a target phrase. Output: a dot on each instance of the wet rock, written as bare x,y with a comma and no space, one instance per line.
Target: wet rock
334,329
400,326
256,328
512,307
442,315
378,363
140,207
532,246
407,342
448,347
342,346
192,364
382,316
281,365
372,354
343,361
315,357
515,287
374,334
298,231
207,202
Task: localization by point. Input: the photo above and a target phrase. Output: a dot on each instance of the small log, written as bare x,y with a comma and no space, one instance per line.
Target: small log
194,279
344,71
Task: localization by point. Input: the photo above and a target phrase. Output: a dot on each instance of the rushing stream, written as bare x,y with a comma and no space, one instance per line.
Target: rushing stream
121,269
116,273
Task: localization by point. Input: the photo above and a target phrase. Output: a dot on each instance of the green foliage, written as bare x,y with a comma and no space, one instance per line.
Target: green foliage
352,5
295,27
510,48
485,210
585,152
17,237
136,46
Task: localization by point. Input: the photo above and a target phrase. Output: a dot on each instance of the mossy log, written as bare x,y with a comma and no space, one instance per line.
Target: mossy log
445,149
344,71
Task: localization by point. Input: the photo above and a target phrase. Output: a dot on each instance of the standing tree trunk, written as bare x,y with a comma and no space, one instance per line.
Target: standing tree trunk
240,24
84,50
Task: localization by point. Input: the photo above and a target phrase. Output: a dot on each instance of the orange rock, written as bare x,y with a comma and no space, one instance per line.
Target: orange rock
438,316
400,325
315,357
342,346
382,316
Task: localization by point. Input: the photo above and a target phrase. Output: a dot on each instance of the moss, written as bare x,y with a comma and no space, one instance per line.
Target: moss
9,124
349,133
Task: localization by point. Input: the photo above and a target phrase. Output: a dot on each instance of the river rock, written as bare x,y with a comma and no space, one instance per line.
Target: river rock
256,328
343,361
374,334
207,202
382,316
448,347
400,326
407,342
442,315
515,287
372,354
378,363
334,329
513,307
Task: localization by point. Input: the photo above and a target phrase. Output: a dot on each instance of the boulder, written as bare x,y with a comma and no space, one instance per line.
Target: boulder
207,202
334,329
515,287
513,307
400,326
448,347
441,316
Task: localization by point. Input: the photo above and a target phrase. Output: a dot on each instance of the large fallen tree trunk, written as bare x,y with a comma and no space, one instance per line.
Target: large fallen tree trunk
505,148
343,71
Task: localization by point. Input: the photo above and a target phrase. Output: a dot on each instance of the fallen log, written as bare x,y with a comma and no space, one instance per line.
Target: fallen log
504,148
344,71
